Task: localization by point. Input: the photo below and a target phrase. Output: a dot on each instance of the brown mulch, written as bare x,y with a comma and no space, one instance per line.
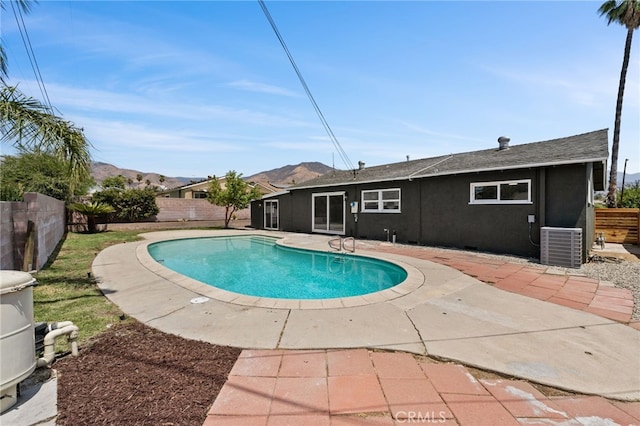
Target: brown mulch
135,375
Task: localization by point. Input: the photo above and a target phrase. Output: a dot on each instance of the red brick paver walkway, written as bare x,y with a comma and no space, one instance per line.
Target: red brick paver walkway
549,284
363,387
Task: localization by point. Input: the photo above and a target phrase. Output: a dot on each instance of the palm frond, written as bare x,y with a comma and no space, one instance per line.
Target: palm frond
623,12
30,126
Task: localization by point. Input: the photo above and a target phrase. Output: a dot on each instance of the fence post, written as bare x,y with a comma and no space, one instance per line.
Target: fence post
29,247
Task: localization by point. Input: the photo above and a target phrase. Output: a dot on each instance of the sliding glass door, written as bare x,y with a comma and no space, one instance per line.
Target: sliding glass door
271,214
328,212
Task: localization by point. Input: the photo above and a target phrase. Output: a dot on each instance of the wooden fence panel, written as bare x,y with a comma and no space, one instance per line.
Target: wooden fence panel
619,225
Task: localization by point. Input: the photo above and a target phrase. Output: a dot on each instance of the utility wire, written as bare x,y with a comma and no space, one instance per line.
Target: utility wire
334,140
30,53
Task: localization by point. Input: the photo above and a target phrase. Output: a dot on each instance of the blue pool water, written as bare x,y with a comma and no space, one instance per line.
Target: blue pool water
256,266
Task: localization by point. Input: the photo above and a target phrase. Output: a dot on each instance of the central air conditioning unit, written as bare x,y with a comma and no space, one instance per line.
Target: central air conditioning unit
561,246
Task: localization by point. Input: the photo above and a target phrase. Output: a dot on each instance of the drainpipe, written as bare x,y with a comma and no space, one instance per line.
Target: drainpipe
57,329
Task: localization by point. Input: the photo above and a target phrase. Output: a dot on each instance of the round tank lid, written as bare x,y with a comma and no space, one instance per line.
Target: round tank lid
15,281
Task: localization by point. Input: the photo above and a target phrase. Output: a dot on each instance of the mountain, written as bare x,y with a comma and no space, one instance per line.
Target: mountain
100,171
628,179
282,176
288,175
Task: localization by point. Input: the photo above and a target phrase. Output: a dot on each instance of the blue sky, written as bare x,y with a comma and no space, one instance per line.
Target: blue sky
199,88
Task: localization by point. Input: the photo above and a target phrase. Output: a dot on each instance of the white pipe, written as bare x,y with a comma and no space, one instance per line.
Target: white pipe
57,330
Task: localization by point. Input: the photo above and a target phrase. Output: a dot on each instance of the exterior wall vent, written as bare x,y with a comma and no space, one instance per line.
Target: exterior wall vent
561,246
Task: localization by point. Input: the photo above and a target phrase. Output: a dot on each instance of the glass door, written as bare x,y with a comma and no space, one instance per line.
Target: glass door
328,212
271,214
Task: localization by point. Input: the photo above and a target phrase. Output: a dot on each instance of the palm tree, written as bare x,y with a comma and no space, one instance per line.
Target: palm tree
626,13
30,127
92,211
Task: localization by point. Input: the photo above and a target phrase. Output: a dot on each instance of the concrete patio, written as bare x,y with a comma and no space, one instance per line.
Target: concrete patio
444,313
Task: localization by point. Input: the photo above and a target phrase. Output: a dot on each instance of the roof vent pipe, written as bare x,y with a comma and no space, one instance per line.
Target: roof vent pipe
360,165
504,143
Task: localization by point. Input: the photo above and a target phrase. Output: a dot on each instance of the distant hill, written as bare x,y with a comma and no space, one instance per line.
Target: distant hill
283,176
628,179
288,175
100,171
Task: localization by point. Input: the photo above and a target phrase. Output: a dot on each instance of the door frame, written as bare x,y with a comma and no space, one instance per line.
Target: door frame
328,195
264,219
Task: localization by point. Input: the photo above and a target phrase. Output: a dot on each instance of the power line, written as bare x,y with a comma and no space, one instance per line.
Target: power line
30,53
334,140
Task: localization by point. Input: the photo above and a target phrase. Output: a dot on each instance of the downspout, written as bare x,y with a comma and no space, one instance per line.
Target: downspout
542,205
58,329
420,218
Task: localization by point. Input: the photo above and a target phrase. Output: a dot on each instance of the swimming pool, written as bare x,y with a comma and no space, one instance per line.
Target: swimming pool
257,266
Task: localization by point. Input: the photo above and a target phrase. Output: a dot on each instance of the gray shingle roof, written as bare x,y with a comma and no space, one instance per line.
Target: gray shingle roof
587,147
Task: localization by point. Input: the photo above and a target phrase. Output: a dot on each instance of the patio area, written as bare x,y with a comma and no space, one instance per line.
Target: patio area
364,387
469,339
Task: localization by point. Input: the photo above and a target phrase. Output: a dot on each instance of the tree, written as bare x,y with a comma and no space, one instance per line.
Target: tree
92,211
626,13
631,196
236,195
117,182
30,127
130,205
38,172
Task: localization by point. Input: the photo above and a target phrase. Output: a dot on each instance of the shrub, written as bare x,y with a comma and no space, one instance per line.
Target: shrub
130,205
92,211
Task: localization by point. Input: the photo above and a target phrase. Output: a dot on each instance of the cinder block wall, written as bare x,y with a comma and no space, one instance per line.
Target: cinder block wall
183,209
49,221
8,243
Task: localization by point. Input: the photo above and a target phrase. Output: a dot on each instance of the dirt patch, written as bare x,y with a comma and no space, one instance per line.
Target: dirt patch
135,375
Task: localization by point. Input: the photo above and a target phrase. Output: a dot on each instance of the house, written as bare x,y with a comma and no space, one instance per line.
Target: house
494,200
196,190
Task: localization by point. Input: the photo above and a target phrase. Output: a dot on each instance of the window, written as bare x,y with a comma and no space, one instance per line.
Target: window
504,192
199,194
381,201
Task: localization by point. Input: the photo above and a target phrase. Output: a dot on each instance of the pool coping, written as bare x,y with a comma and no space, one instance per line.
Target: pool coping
415,279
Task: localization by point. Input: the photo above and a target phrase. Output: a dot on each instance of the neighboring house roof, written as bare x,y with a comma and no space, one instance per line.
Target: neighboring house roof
266,187
203,186
586,147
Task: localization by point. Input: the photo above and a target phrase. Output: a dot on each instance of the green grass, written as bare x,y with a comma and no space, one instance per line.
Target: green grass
67,292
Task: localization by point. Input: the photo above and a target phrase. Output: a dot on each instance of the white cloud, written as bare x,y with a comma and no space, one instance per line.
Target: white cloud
252,86
70,99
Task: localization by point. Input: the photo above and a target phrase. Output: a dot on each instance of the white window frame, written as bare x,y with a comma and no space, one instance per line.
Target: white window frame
497,184
380,202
